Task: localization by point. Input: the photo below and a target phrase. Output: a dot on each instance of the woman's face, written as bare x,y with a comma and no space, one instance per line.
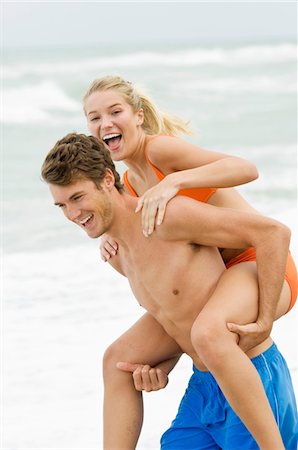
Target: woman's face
111,119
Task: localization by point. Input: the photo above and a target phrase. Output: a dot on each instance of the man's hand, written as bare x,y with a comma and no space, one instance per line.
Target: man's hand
250,334
145,378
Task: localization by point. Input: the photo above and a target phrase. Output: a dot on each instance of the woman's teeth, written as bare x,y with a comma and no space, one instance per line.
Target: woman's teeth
110,136
112,139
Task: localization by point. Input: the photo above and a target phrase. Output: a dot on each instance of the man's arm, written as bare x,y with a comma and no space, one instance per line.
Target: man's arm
192,221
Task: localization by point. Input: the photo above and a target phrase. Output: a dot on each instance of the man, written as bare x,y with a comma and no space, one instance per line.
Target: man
177,276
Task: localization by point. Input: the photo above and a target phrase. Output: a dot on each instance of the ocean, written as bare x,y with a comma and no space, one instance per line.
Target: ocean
61,305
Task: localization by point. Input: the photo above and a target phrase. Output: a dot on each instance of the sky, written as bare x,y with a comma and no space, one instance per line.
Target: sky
78,23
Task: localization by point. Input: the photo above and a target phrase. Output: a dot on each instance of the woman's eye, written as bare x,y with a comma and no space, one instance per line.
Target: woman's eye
94,119
116,112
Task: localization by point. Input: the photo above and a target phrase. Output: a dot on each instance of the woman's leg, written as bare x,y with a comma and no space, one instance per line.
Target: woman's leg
145,342
236,300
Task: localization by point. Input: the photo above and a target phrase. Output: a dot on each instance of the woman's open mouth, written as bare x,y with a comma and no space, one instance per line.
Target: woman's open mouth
112,140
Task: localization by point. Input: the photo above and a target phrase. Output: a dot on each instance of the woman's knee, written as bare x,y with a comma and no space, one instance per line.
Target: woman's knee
211,338
203,334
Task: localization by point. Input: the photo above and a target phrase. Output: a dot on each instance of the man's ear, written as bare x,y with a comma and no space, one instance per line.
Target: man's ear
140,116
109,179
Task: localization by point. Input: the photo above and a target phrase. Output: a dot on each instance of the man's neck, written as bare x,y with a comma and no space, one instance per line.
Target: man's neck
126,223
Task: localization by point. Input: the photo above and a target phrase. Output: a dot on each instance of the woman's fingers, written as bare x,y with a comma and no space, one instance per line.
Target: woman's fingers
149,212
105,256
108,248
161,212
153,204
153,214
111,248
139,204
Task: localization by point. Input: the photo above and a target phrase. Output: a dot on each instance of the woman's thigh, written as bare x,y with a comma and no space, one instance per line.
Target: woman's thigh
146,342
236,296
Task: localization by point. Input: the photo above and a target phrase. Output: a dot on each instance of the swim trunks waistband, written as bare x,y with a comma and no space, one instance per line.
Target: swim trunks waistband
259,362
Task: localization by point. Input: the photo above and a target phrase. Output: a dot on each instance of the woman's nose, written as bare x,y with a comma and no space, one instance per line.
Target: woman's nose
106,123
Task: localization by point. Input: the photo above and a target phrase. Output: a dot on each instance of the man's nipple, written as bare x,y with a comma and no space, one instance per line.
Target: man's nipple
175,292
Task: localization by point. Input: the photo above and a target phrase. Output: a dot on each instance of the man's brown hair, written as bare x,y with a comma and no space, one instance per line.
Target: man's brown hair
78,156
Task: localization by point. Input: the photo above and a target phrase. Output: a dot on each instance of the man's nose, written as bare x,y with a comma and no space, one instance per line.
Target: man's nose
73,213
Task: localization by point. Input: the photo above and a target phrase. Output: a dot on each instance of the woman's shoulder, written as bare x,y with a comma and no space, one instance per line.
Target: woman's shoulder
161,140
161,149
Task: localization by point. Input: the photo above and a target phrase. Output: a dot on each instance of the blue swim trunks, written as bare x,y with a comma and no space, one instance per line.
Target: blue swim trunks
205,420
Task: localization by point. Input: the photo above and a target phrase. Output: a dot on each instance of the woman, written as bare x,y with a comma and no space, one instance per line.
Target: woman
160,165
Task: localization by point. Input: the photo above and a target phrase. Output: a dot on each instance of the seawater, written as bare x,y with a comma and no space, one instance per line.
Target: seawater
62,305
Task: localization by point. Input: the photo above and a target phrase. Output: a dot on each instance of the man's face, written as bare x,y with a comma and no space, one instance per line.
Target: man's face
84,204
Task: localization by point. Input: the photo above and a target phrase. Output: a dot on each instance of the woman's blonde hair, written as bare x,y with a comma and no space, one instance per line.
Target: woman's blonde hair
155,122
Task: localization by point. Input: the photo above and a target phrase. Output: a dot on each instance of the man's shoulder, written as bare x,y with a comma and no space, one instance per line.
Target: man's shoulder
181,212
182,206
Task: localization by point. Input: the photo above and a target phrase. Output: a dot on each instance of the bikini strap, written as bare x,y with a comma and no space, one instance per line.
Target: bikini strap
155,169
128,185
157,172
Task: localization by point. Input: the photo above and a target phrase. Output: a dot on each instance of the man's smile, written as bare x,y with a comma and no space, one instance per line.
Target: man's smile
86,221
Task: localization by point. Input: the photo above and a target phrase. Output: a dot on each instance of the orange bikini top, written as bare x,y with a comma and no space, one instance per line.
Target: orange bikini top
200,194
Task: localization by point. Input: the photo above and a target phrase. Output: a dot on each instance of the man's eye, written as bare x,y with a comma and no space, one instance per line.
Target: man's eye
77,198
94,119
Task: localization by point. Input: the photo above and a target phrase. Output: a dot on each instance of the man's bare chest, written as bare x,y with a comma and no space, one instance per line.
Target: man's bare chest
166,277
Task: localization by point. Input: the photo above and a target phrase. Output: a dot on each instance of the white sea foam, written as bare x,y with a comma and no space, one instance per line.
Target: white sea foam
35,103
275,165
47,102
197,56
59,317
284,84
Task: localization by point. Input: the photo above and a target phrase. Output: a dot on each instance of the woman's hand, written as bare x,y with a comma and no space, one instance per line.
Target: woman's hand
108,247
153,203
145,378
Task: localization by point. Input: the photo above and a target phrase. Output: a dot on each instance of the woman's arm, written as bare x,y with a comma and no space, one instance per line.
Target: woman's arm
187,166
195,167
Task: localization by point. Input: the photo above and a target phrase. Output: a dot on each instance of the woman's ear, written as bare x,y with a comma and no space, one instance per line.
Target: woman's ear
140,116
